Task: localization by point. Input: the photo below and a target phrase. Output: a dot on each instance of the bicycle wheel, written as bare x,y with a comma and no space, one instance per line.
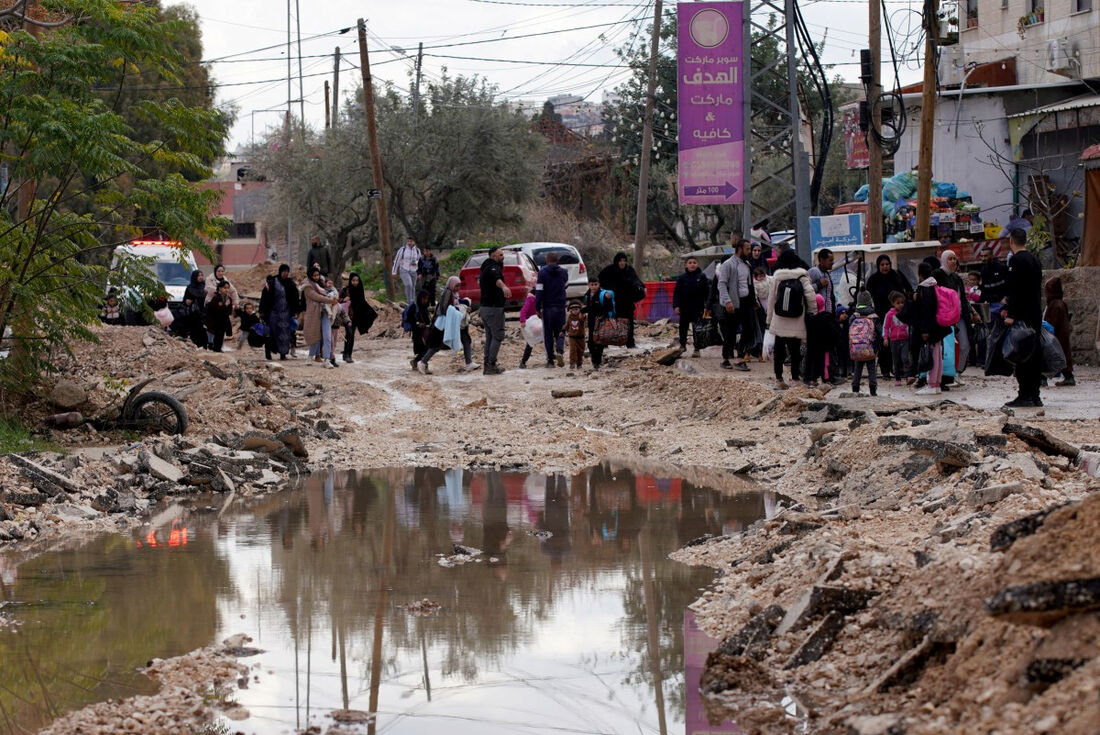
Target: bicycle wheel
155,412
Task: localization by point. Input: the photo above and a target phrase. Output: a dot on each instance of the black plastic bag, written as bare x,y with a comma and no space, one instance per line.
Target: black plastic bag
705,332
924,360
994,361
1019,343
1054,359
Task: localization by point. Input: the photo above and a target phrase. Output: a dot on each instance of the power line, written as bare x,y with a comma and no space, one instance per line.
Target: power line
529,62
338,32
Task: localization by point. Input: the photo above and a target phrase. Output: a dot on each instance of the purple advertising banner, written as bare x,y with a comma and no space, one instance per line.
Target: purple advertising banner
710,93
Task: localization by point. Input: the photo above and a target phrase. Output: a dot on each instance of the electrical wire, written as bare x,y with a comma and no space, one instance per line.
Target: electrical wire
821,83
887,135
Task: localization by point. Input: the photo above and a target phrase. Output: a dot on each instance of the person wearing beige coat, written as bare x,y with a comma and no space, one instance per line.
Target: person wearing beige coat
317,325
789,332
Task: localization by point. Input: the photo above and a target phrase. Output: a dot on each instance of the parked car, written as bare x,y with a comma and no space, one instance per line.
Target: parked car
568,258
519,275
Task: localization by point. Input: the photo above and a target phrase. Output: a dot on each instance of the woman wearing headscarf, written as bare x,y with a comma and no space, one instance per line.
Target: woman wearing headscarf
884,281
757,259
194,305
361,315
622,280
318,323
217,280
277,307
453,300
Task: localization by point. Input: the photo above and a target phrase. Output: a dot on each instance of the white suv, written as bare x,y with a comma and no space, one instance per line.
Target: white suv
568,258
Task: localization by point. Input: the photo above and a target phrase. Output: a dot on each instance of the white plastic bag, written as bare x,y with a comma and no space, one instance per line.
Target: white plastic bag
164,316
532,331
769,345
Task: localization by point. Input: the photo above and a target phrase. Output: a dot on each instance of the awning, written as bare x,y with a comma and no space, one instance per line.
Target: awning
1077,103
1092,153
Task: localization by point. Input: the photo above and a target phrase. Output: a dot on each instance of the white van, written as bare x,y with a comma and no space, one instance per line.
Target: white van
169,264
569,258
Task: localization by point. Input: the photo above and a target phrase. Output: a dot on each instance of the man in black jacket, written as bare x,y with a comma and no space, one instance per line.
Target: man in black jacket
550,299
494,292
1023,303
994,275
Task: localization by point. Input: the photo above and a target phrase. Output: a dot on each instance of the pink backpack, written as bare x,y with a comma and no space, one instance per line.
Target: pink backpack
861,339
948,308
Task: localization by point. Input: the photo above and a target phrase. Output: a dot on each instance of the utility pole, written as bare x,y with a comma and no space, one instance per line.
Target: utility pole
640,218
376,159
874,108
301,91
927,123
416,87
336,89
328,111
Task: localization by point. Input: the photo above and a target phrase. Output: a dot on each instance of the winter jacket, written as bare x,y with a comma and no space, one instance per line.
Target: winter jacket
491,293
212,284
793,326
924,309
319,256
217,315
528,309
550,287
881,285
734,281
316,300
1058,315
893,328
428,269
690,294
602,305
994,281
406,259
1025,288
625,284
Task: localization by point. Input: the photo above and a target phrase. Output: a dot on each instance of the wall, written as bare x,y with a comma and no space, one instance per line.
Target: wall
959,154
996,36
1081,288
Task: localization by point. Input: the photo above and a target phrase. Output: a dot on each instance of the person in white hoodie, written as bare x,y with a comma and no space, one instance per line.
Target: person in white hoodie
788,323
406,261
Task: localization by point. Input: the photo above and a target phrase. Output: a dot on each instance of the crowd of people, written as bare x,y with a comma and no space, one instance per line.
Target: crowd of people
923,335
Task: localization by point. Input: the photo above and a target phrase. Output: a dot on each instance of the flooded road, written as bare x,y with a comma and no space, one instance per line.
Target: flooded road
571,619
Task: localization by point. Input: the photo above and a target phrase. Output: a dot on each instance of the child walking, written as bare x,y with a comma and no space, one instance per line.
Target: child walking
416,320
862,347
574,333
896,334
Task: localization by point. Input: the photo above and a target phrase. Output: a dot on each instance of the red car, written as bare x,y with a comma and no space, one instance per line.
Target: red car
519,275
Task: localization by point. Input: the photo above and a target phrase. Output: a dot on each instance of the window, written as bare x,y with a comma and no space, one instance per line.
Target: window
971,13
1082,6
242,229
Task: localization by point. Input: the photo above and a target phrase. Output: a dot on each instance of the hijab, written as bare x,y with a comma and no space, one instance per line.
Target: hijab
196,289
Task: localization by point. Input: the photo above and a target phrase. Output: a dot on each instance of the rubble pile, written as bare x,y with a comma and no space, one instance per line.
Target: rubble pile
194,688
42,493
935,573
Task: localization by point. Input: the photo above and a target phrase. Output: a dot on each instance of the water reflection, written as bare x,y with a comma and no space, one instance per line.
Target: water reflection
572,620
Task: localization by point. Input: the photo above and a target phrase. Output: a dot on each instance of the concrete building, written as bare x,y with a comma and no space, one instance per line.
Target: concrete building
243,201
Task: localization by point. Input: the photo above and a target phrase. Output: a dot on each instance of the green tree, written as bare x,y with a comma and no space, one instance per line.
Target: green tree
80,178
460,162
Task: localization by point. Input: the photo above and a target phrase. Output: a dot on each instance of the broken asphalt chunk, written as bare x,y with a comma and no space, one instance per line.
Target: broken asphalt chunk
1045,603
752,640
1007,534
820,640
1041,439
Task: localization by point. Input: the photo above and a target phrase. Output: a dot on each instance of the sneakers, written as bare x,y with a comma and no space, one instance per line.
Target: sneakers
928,390
523,365
1021,402
470,366
1066,382
742,366
897,383
413,362
549,363
347,359
425,369
492,370
328,365
958,383
726,365
560,359
334,363
874,392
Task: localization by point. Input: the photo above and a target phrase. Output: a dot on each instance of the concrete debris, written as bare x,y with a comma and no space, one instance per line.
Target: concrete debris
752,640
820,640
990,494
67,394
567,393
668,357
1045,603
1041,439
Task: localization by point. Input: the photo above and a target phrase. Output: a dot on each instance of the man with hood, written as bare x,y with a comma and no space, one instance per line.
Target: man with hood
318,256
550,301
622,280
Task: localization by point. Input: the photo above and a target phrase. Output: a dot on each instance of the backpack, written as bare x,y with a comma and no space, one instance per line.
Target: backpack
861,339
789,299
948,308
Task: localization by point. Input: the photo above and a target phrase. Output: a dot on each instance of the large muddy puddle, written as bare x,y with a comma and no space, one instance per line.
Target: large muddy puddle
571,619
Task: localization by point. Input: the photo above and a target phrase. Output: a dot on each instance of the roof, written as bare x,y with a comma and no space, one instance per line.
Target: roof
1077,103
1092,153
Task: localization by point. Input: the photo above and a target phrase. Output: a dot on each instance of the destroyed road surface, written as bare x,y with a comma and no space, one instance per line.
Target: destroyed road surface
933,566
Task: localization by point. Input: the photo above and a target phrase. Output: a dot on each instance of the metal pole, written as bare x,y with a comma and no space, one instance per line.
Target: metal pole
746,45
640,218
336,89
799,161
301,91
927,125
874,106
376,158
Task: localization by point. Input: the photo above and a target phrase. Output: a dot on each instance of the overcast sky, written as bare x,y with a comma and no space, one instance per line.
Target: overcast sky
524,68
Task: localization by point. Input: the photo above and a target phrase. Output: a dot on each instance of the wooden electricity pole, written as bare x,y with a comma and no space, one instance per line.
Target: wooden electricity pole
328,112
927,124
640,219
874,108
376,159
336,89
